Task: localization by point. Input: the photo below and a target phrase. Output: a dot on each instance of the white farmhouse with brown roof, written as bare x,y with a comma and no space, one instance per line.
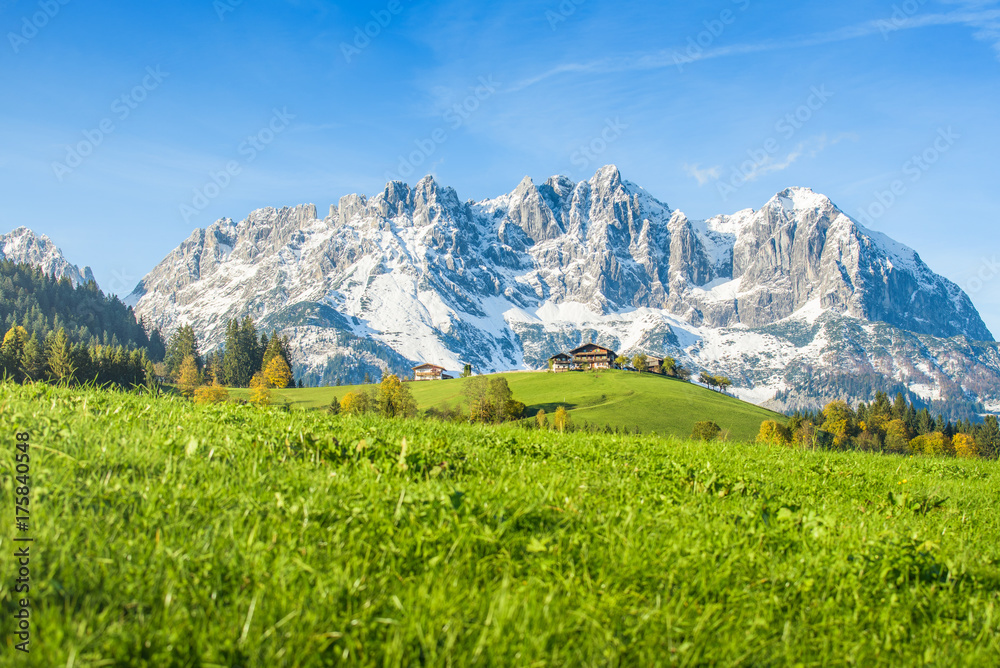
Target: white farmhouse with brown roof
430,372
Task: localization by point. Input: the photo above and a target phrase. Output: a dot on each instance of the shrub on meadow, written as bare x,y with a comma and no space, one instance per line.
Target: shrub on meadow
211,394
705,431
774,433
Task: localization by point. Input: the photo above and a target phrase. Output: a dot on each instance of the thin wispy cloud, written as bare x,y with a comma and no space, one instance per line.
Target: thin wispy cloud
810,148
986,23
703,176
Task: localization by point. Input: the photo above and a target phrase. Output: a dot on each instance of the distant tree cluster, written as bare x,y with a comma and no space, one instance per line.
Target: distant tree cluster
42,304
674,369
668,367
492,401
57,359
884,426
390,398
713,381
246,360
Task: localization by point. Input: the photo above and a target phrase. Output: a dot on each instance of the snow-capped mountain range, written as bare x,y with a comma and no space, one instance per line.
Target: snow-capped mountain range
25,247
795,301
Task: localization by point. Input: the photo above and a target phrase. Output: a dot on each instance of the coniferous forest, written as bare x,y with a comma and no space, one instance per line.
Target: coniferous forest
55,331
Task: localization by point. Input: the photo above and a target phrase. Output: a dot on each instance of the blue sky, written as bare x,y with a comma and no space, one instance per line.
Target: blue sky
124,126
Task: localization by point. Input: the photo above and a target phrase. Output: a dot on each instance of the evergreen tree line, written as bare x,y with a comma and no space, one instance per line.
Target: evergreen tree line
886,426
246,360
57,359
42,305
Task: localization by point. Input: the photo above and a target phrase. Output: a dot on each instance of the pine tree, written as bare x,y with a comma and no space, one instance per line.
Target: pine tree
157,346
988,438
214,368
276,347
925,423
899,407
248,337
243,356
59,358
881,406
183,344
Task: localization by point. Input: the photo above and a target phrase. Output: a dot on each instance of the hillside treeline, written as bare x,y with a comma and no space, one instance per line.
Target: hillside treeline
42,304
55,332
886,426
55,359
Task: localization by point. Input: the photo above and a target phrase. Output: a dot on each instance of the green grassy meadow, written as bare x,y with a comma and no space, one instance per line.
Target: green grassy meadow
628,400
170,534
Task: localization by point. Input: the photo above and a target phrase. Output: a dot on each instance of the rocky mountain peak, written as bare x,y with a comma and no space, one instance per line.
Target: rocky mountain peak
608,177
25,247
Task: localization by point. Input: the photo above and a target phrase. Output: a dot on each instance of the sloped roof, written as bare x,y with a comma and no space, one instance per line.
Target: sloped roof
429,367
590,346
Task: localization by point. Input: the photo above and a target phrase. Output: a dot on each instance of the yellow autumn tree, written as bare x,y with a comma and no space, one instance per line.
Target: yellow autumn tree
277,374
188,379
541,419
841,422
897,436
561,419
356,403
965,446
260,390
12,351
394,399
774,433
934,443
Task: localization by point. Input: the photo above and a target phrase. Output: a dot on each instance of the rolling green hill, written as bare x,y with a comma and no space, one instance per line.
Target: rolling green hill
627,400
171,534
